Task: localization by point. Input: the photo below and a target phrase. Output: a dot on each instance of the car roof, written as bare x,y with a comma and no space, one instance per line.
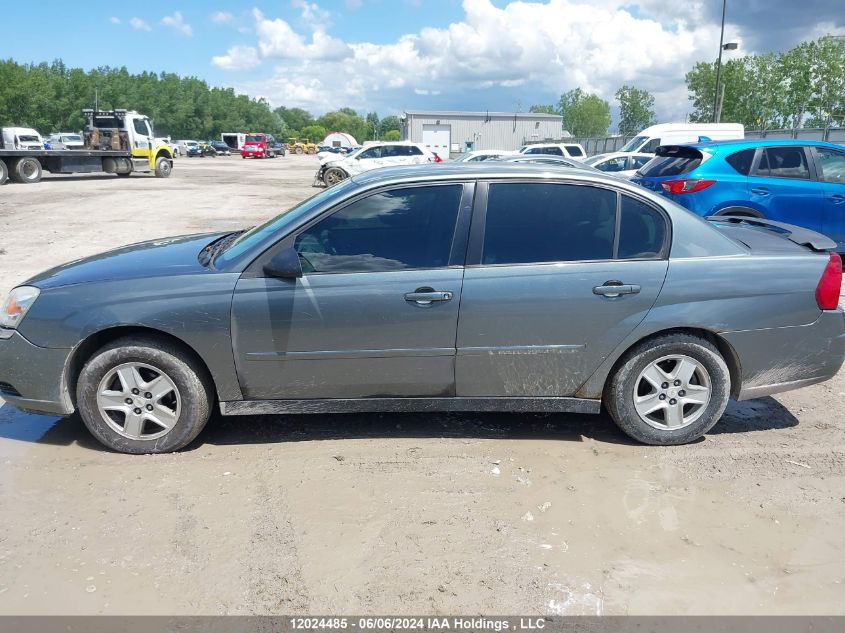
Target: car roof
756,142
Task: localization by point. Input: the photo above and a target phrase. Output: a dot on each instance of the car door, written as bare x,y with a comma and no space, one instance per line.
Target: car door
831,166
375,311
782,185
551,286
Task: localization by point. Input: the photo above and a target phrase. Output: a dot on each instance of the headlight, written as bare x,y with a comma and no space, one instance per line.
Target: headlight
16,305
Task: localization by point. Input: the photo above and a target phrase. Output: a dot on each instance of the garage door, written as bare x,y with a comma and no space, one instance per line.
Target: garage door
437,138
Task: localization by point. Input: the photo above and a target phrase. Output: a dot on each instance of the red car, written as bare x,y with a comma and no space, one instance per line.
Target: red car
262,146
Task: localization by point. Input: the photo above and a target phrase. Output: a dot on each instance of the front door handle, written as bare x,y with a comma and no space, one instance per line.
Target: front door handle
427,296
614,288
760,191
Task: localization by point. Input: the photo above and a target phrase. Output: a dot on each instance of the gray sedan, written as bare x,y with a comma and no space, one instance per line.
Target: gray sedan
500,286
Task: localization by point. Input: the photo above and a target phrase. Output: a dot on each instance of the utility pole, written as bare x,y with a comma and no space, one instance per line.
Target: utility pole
719,63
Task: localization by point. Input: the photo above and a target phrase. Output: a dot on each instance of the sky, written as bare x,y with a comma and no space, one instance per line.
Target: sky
393,55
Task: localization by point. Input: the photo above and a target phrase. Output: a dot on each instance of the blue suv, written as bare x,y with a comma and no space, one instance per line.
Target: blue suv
794,181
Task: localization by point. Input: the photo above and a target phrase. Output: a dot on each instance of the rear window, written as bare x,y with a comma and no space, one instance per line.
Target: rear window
674,164
741,161
574,150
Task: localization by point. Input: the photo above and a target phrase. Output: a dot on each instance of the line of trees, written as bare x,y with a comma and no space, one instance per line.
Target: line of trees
801,87
50,98
589,115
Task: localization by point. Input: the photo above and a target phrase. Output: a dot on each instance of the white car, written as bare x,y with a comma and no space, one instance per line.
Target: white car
334,168
180,148
621,164
647,141
476,156
66,140
567,150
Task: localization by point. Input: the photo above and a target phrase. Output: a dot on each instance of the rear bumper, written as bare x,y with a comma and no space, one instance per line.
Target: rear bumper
32,377
781,359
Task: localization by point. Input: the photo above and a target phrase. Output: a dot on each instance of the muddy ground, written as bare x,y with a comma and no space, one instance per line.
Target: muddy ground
377,514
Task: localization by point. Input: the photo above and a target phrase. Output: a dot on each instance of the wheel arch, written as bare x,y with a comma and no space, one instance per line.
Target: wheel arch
163,152
725,349
86,349
741,209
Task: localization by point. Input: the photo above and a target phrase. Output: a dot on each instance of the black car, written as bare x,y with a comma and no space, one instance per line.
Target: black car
221,148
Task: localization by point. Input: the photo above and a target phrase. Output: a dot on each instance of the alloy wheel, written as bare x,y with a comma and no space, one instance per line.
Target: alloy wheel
672,392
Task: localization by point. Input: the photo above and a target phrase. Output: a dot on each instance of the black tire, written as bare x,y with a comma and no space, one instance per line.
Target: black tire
4,172
163,167
26,170
193,385
124,174
623,385
333,175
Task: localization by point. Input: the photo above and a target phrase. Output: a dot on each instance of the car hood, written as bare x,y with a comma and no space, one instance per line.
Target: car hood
331,158
156,258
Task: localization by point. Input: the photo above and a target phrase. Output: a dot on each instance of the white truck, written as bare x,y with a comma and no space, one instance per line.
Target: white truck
679,133
116,142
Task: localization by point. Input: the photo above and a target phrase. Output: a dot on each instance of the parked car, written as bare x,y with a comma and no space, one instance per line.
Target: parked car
544,159
647,141
795,181
479,155
65,140
21,138
334,169
621,164
567,150
221,148
182,147
487,287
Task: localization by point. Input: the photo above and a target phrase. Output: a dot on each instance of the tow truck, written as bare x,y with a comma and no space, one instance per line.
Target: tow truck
116,142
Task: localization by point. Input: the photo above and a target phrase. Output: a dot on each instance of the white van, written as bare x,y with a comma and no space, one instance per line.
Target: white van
568,150
21,138
678,133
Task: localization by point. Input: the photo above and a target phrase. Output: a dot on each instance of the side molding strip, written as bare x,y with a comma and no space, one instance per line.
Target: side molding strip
398,405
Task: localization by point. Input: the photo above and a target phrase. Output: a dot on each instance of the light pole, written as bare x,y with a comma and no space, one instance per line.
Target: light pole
730,46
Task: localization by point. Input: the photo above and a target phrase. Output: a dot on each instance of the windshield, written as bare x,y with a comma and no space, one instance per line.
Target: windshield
254,139
72,138
265,233
28,139
633,144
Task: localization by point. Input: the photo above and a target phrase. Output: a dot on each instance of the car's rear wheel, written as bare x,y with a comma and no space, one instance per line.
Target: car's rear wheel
669,390
4,172
143,395
333,176
26,170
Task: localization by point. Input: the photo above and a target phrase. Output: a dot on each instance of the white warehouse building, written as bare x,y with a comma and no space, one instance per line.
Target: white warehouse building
451,133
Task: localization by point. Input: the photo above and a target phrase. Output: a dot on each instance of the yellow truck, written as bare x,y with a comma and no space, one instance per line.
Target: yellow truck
116,142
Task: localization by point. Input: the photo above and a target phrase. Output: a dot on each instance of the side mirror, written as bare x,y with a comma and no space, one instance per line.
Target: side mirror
284,264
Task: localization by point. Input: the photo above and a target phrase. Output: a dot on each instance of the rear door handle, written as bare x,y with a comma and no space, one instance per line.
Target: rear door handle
427,296
760,191
613,288
837,198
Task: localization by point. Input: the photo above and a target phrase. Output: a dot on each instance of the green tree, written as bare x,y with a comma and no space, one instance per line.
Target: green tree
389,123
372,126
314,133
392,135
584,114
295,118
636,110
345,120
543,109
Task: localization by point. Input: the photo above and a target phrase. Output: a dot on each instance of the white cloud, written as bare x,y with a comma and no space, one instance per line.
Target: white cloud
276,38
221,17
535,48
114,20
237,58
177,22
139,25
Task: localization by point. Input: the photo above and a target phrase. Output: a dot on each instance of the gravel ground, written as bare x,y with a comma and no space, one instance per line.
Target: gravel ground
375,514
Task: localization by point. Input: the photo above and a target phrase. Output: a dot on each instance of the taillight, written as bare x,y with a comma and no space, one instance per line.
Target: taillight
686,185
827,292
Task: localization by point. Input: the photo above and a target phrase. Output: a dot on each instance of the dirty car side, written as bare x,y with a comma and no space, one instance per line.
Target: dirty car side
535,331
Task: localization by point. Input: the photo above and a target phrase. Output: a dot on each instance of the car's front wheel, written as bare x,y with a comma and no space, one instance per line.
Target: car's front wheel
669,390
143,395
333,175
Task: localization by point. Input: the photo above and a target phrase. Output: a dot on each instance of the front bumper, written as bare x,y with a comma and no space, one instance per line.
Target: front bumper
780,359
32,378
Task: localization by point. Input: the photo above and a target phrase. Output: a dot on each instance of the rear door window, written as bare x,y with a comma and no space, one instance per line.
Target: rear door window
574,150
545,222
642,230
784,162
